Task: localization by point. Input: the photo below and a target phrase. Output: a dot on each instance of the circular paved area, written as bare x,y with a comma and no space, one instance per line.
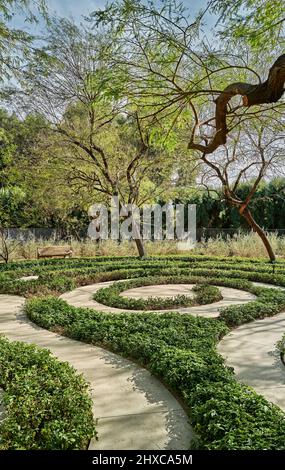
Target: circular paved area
132,408
82,297
162,290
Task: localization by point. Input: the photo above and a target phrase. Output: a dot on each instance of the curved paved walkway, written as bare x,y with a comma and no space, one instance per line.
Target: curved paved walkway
141,413
251,350
82,297
132,408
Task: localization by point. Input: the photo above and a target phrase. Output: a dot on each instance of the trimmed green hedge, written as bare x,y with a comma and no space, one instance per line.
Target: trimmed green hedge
42,286
47,405
204,294
180,349
57,276
269,302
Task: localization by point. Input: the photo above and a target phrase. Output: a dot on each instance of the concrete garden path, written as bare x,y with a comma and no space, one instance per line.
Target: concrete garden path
132,408
250,348
82,297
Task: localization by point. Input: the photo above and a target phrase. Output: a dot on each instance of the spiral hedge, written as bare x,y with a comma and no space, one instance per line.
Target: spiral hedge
179,349
203,294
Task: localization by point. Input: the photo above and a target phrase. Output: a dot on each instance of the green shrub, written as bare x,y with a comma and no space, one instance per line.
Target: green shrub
269,303
206,294
87,270
47,405
232,416
43,285
180,349
110,295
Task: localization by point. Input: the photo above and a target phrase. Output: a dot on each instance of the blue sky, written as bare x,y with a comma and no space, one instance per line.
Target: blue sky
78,8
75,8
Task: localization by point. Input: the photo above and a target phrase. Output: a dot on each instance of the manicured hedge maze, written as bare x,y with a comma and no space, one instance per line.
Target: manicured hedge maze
180,349
57,276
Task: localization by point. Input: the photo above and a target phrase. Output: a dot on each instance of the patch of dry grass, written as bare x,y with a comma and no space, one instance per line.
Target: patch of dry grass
243,245
247,245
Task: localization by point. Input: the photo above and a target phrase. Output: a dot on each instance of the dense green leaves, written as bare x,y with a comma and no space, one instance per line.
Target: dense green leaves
46,403
258,22
65,274
113,296
180,349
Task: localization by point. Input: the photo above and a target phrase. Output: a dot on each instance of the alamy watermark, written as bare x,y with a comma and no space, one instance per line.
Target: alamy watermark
151,222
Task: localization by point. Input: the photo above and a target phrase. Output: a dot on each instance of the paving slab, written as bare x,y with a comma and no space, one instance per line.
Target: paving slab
28,278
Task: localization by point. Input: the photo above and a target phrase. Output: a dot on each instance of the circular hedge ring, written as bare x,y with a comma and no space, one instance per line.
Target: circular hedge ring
110,296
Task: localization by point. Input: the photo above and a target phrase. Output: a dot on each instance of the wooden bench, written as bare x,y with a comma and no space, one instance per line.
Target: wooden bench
54,252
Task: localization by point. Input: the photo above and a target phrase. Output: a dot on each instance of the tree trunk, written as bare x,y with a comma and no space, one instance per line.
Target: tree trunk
139,240
140,247
256,228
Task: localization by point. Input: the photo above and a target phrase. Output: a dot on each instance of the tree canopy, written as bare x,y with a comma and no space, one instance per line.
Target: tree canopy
137,101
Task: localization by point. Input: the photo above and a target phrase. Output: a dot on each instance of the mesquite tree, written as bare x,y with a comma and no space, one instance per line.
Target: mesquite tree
212,89
105,148
177,73
269,91
14,42
261,23
250,155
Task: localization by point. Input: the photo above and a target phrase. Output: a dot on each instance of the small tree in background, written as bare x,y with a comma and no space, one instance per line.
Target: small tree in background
104,147
7,245
250,155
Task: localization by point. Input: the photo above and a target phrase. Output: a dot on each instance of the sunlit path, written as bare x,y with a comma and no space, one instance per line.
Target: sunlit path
133,410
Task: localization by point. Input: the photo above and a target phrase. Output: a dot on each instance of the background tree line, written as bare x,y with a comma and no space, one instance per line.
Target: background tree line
27,198
137,102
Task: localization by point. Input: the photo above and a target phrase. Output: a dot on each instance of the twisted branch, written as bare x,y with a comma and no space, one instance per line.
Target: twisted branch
269,91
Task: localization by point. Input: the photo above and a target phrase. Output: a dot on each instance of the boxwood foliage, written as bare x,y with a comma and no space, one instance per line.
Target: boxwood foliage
203,294
47,404
180,349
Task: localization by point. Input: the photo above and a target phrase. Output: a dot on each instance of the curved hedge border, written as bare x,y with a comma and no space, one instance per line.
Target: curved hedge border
47,405
180,349
58,276
204,294
269,302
